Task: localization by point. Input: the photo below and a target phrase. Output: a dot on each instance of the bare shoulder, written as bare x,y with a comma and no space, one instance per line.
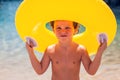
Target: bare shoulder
82,49
50,49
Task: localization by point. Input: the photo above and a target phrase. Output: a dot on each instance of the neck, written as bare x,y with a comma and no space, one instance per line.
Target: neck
65,45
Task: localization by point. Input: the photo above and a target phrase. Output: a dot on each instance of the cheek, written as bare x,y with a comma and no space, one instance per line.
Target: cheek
71,32
56,33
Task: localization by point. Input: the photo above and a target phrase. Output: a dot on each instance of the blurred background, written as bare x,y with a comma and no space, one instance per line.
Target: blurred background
14,60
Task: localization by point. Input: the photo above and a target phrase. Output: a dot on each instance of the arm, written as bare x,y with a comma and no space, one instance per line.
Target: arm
39,67
92,66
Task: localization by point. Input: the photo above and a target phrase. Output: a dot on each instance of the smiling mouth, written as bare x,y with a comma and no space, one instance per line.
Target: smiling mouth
63,35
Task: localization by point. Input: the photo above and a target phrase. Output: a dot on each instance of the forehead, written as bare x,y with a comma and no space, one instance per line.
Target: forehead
63,22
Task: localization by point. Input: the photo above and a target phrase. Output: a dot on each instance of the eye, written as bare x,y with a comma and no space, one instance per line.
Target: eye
58,28
67,27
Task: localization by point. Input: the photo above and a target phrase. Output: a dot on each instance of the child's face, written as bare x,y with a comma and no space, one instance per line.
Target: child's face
64,29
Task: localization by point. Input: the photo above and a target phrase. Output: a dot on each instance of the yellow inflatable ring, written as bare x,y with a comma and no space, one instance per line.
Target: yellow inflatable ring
95,15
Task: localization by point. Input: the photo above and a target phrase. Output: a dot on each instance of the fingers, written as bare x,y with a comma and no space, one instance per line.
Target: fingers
102,38
29,48
31,42
28,45
103,46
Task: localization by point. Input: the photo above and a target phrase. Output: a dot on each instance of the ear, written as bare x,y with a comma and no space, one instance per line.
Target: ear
77,29
53,30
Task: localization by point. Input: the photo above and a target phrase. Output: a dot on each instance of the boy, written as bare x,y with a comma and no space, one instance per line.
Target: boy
66,56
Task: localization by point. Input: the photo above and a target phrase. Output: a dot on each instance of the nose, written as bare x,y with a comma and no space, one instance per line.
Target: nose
63,31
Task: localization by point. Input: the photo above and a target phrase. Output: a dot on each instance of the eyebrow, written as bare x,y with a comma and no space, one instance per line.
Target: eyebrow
75,24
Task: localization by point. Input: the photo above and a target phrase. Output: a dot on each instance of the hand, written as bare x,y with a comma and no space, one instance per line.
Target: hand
29,47
103,42
102,37
102,46
30,43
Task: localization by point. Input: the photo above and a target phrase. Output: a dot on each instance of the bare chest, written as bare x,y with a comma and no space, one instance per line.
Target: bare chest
63,61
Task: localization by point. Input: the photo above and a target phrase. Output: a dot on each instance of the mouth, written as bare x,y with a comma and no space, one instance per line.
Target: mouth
63,36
